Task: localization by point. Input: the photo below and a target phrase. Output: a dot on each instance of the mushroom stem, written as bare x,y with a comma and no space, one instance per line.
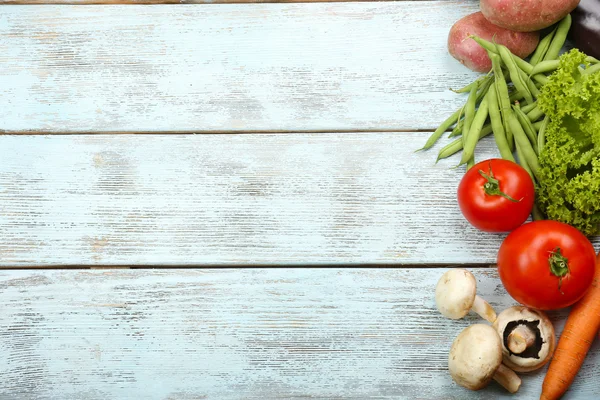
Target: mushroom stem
507,378
483,308
520,339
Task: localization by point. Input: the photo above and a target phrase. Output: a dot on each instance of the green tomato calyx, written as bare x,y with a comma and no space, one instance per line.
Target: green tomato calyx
492,186
559,265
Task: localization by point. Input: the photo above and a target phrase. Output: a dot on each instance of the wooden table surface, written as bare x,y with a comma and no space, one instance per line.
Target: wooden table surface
223,201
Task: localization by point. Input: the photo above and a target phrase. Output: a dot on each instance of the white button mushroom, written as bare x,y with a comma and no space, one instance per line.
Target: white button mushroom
528,338
456,294
476,358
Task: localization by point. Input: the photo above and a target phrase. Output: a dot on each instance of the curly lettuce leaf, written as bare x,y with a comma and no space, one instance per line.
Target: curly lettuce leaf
569,184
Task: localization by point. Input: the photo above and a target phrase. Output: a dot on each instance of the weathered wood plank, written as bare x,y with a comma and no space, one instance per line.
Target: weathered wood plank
111,2
230,200
227,333
270,199
247,67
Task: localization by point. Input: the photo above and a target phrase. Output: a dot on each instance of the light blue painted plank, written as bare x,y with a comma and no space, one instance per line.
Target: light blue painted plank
270,199
231,333
249,67
236,199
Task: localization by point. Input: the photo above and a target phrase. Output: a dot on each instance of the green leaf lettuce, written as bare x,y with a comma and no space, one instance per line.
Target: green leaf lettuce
569,181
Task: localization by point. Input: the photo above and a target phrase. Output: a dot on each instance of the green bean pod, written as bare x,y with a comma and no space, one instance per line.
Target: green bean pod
457,131
523,162
523,143
503,97
528,107
542,133
535,114
533,89
558,41
455,146
451,120
545,66
473,136
477,82
469,115
536,213
528,128
592,60
497,127
542,48
513,70
491,48
593,69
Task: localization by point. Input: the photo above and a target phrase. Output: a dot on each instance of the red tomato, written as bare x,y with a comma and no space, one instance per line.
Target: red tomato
546,264
496,195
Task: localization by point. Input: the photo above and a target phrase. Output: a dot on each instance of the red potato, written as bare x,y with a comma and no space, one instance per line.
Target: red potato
472,55
526,15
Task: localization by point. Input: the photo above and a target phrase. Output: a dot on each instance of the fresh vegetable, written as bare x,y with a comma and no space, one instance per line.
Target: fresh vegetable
585,32
476,358
456,295
499,80
546,265
569,181
469,53
528,338
580,330
496,195
526,15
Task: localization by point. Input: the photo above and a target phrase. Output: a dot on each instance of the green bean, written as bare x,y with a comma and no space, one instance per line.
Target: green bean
545,66
523,162
536,213
491,47
537,126
451,120
592,60
481,92
497,127
542,48
487,45
542,79
527,127
477,82
593,69
559,38
513,70
454,147
473,135
528,107
530,84
457,131
469,115
542,133
522,141
535,114
503,98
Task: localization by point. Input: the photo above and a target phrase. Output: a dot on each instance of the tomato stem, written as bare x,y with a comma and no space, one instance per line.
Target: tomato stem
559,264
492,186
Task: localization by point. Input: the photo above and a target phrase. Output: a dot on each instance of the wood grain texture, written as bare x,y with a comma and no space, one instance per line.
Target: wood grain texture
233,199
231,334
111,2
250,67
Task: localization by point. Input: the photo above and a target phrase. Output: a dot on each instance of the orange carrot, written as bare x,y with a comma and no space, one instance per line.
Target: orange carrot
580,330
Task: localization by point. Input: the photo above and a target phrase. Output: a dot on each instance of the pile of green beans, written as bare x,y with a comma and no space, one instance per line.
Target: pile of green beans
503,102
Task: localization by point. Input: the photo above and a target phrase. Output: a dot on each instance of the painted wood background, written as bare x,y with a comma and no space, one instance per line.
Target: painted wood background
323,105
250,67
275,199
230,334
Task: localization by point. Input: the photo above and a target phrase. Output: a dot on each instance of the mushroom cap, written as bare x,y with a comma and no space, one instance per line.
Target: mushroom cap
455,293
540,352
475,355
